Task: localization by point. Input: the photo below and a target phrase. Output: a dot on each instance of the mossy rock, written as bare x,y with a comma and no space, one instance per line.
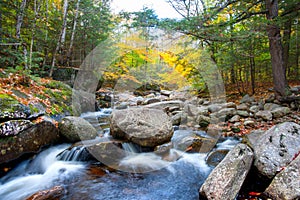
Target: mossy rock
10,108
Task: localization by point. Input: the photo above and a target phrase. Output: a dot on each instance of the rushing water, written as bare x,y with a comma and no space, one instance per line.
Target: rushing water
179,178
43,172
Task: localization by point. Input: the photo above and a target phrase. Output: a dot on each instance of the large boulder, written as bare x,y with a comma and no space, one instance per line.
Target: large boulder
225,181
143,126
286,184
74,129
276,148
30,140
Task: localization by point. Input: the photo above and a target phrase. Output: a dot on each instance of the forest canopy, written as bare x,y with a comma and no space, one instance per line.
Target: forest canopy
251,42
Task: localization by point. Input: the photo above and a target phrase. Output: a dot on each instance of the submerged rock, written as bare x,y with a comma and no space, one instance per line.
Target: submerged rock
143,126
286,184
74,129
225,181
54,193
276,148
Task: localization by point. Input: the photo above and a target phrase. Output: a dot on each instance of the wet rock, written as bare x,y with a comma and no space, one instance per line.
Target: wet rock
276,148
74,129
280,112
30,140
247,99
55,193
225,181
14,127
216,156
109,153
143,126
286,184
264,114
191,142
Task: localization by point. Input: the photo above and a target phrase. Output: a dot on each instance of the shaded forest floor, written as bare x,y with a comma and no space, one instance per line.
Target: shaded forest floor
263,90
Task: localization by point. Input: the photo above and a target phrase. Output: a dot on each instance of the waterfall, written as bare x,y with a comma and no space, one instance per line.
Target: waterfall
43,172
77,153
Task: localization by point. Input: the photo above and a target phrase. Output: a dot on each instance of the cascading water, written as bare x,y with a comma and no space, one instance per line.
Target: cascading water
178,177
43,172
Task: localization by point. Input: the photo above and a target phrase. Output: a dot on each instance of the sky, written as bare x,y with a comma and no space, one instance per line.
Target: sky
162,8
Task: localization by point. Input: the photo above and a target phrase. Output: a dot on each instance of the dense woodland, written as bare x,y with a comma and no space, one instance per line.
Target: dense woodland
252,43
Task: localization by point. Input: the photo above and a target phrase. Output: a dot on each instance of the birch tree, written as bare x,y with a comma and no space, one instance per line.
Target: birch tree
62,38
73,32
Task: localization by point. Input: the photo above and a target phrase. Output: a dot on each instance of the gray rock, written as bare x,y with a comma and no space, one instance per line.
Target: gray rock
251,138
179,118
75,129
189,141
280,112
254,109
203,110
249,123
151,100
271,106
242,113
242,106
235,118
286,184
264,114
191,110
229,105
247,99
276,148
214,108
203,121
143,126
227,112
164,104
225,181
166,92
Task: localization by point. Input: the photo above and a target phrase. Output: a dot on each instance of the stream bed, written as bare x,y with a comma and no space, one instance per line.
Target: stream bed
178,179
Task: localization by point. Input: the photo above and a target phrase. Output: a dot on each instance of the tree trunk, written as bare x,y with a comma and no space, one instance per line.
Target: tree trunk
37,7
286,43
73,33
62,37
20,19
276,51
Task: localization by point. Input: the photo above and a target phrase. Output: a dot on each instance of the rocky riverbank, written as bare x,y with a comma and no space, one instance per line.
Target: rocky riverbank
162,120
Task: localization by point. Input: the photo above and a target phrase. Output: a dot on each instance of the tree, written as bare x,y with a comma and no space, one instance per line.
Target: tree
276,50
